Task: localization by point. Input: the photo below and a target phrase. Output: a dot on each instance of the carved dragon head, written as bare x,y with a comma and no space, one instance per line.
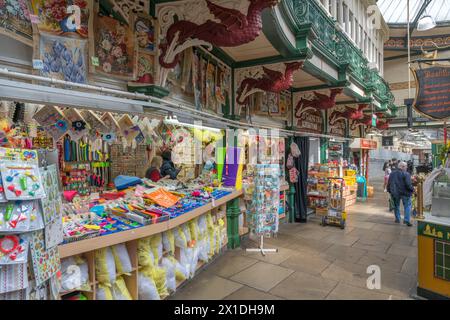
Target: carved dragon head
293,66
335,92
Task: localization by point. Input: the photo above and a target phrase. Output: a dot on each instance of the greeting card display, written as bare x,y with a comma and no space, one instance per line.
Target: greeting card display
13,249
21,181
45,262
263,214
13,277
15,216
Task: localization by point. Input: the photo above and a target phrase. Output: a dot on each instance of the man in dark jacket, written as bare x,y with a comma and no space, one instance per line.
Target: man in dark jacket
400,188
168,168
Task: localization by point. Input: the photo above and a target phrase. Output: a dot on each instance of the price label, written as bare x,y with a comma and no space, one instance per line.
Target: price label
38,64
213,202
95,61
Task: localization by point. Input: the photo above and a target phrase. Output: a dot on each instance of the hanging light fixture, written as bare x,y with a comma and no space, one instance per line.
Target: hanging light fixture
426,23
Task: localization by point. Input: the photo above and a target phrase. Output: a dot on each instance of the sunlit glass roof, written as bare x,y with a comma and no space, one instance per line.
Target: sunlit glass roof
394,11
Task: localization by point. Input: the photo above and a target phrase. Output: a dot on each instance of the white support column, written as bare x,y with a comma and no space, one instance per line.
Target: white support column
333,9
340,13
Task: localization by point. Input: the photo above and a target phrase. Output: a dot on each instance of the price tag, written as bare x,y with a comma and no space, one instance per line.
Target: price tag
34,19
38,64
213,202
95,61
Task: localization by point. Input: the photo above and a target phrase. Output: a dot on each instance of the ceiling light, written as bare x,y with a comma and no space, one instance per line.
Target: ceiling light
426,23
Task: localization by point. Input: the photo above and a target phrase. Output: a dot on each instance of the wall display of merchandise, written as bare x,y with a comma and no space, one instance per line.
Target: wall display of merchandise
30,227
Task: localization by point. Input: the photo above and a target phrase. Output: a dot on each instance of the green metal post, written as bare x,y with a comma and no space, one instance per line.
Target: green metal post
233,212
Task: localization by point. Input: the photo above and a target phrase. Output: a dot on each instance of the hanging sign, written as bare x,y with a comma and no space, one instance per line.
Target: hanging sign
433,92
310,121
387,141
374,120
338,128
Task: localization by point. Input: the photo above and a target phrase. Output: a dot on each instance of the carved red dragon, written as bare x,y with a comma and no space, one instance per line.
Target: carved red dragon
349,113
366,120
320,102
234,29
383,125
270,81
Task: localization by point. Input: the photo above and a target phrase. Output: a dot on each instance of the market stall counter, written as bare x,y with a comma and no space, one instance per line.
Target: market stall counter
433,245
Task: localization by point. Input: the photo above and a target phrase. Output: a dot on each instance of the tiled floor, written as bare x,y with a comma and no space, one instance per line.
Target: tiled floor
315,262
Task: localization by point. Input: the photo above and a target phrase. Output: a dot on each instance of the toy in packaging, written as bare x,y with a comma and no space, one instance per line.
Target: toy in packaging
14,216
13,249
21,181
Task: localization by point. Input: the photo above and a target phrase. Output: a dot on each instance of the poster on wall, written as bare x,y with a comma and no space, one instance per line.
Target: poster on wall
63,58
113,50
15,21
60,17
433,92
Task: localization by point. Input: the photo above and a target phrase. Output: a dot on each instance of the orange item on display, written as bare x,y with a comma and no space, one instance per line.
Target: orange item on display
163,198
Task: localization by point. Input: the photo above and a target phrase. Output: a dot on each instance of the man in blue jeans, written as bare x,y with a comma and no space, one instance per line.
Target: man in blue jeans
401,189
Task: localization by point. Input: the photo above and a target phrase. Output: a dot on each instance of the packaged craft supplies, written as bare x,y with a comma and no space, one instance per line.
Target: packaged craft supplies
21,180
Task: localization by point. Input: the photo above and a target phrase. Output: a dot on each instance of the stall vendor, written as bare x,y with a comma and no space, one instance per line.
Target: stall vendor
167,167
153,173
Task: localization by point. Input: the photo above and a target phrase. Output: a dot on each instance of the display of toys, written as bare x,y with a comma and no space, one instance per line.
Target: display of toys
21,181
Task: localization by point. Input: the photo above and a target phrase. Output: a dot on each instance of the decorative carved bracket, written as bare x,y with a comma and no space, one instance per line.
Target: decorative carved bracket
269,81
194,23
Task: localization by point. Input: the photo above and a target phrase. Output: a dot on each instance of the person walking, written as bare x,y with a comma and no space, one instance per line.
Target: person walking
401,189
387,171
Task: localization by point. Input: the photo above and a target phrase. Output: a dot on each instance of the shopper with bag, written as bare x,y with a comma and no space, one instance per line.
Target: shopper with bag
401,189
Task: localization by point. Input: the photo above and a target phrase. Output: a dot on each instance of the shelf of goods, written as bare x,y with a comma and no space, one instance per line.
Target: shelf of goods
141,255
350,188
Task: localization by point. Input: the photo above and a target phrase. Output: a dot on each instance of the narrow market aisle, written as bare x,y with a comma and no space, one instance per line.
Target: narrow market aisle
316,262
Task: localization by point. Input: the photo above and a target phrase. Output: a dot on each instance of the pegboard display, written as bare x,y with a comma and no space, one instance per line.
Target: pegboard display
128,161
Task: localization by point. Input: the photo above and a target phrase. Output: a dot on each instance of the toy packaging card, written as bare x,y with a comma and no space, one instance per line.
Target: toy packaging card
21,181
45,263
2,191
15,216
13,249
52,203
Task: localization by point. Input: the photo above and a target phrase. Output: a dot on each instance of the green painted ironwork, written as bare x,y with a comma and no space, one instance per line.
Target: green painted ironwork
233,213
314,26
